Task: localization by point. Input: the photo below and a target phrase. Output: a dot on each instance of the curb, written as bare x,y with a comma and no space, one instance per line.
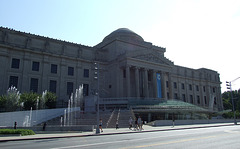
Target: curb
88,135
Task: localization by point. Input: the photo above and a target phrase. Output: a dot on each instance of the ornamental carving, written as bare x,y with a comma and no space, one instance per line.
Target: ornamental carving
150,58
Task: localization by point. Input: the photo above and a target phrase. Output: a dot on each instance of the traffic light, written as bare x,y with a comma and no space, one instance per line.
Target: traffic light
228,84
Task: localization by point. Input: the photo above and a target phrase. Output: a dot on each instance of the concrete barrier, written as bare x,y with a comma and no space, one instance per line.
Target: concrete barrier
30,118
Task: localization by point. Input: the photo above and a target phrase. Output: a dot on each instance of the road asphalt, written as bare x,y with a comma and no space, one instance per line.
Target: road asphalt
107,131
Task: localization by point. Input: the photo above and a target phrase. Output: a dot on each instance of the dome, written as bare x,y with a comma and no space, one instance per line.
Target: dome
123,33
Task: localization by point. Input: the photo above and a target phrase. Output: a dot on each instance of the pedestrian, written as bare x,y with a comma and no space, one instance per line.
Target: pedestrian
15,125
130,123
139,122
173,121
117,124
100,125
136,125
44,126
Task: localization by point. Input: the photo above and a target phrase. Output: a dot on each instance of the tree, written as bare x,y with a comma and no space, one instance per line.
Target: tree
29,100
50,100
227,103
12,99
3,103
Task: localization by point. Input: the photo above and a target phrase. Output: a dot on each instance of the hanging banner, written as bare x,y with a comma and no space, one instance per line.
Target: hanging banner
159,87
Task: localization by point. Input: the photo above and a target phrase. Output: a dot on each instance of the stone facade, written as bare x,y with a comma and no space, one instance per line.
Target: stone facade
127,68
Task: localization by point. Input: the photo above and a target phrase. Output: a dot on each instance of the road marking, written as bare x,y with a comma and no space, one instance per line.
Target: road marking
231,131
169,142
140,139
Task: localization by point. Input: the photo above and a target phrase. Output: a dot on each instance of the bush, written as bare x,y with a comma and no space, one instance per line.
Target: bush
29,100
50,100
3,102
23,132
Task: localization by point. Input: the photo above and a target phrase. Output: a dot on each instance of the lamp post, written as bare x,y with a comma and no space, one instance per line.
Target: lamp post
96,73
229,86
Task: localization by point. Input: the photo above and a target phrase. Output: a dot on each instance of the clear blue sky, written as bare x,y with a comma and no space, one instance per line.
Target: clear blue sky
195,33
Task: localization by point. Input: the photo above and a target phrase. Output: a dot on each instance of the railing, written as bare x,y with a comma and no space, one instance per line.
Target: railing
110,118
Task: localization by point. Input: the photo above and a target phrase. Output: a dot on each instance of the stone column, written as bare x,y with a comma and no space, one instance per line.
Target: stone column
163,84
170,86
25,75
146,92
154,84
137,81
128,81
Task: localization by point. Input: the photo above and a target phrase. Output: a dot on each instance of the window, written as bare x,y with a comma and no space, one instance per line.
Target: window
124,73
15,63
35,66
214,90
69,88
53,68
198,99
197,87
34,85
204,88
215,101
70,71
191,98
175,85
53,86
205,100
13,81
168,95
175,96
86,73
184,97
167,84
190,87
183,87
85,89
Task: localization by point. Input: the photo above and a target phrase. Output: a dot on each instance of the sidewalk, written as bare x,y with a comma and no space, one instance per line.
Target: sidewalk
109,131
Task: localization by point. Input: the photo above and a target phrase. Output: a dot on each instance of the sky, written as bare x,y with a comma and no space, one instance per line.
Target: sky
196,33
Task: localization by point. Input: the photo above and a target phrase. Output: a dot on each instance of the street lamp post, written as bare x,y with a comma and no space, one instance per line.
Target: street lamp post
96,67
229,86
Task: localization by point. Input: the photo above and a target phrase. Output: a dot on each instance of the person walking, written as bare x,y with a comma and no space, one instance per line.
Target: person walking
139,122
100,125
117,124
135,125
130,123
173,121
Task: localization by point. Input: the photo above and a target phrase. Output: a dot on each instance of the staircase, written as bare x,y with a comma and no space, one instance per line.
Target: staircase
109,119
123,118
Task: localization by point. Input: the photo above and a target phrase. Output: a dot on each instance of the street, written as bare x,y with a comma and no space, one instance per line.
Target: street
218,137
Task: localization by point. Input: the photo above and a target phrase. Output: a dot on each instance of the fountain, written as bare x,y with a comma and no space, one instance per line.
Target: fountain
43,99
28,119
65,117
73,102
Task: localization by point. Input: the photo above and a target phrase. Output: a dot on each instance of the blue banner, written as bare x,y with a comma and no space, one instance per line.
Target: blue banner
159,87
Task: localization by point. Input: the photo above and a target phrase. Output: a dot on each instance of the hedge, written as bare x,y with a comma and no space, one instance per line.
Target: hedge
23,132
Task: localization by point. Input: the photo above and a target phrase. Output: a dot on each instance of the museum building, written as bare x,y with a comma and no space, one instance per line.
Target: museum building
124,69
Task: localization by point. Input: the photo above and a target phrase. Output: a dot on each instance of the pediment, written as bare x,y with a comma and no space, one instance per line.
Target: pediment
154,58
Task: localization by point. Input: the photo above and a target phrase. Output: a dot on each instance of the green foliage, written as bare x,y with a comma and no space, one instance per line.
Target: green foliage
12,99
29,100
3,102
50,100
227,103
23,132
